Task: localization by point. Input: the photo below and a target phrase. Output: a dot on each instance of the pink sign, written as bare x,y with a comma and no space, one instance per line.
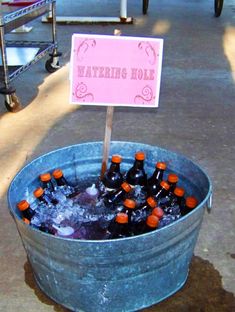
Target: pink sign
115,70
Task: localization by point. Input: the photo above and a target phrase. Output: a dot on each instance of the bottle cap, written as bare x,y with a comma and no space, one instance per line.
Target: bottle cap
26,220
23,205
126,187
38,192
158,212
122,218
129,203
161,165
152,221
140,155
57,173
151,202
172,178
116,159
165,185
45,177
191,202
179,191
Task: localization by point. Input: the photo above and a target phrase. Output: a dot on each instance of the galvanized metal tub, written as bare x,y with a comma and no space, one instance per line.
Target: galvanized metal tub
116,275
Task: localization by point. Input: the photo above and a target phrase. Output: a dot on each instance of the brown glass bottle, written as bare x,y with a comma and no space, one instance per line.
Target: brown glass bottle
117,195
46,182
151,224
156,178
140,214
59,177
119,228
47,199
163,190
190,203
26,210
113,177
172,180
179,196
128,207
136,174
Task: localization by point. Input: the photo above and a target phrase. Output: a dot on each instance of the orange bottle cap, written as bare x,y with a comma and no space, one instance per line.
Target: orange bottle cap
161,165
45,177
152,221
179,191
57,173
191,202
116,159
158,212
140,155
38,192
122,218
129,203
165,185
23,205
151,202
172,178
126,187
26,220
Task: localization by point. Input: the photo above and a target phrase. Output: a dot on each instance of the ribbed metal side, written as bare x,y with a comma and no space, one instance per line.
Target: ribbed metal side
117,275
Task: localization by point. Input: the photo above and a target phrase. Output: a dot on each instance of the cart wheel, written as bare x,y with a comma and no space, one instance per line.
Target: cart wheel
50,67
12,103
145,6
218,6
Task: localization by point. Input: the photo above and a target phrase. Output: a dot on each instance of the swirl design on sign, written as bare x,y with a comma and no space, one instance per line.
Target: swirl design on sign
149,51
83,47
145,97
81,93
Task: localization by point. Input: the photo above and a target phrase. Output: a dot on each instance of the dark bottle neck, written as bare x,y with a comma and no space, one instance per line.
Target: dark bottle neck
114,167
139,164
48,185
61,181
158,174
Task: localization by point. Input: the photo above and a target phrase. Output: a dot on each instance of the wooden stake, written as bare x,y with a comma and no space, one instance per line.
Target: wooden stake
108,129
107,139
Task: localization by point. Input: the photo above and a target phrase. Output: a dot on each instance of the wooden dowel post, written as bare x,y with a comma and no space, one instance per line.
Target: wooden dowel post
107,139
108,129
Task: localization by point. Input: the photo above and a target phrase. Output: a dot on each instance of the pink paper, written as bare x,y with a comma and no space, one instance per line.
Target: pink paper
115,70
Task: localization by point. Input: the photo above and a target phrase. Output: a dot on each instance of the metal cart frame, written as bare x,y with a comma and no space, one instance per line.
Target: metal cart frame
13,20
123,18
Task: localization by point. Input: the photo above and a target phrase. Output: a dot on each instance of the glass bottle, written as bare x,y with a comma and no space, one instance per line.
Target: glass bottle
140,214
117,195
190,203
61,181
179,196
129,206
26,210
151,224
46,182
162,191
119,228
156,178
47,199
175,202
113,177
146,208
172,180
136,174
59,177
